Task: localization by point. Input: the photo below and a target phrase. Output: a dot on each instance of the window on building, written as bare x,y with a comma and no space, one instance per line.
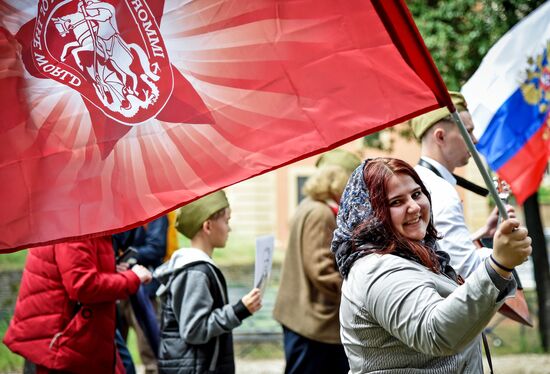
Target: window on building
300,181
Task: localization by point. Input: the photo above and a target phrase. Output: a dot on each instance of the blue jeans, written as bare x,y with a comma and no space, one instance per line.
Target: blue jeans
124,354
306,356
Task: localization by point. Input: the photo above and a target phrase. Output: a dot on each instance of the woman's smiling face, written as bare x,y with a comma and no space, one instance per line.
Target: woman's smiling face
409,207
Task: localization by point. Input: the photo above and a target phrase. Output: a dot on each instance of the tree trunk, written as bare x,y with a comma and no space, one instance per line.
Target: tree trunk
540,266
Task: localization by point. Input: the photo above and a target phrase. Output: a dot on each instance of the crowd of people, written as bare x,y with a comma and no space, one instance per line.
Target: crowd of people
381,274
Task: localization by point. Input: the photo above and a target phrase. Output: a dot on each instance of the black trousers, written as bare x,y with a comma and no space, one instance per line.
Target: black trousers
306,356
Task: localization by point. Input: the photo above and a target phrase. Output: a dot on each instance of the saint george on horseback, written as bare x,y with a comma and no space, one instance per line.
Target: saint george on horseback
112,69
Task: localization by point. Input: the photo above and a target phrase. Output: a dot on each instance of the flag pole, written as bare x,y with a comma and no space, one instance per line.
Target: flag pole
479,163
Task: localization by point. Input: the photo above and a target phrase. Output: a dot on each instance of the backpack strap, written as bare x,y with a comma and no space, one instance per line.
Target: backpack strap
487,352
210,267
216,353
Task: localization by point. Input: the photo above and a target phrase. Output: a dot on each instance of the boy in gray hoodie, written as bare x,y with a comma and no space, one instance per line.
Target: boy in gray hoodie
196,319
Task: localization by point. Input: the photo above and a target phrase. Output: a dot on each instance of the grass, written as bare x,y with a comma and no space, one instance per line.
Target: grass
515,339
260,351
13,261
509,337
131,343
237,262
9,362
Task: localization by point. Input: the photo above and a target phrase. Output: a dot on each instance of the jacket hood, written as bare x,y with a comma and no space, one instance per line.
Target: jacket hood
179,259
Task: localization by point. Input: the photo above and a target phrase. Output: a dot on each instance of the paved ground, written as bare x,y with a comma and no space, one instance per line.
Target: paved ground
522,364
515,364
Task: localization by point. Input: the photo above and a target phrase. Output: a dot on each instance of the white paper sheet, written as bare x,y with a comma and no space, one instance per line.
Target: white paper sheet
264,259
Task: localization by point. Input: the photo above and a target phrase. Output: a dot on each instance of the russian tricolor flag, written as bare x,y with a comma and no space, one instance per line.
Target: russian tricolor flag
508,97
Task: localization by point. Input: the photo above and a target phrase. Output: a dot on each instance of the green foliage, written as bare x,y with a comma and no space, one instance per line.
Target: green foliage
13,261
459,33
9,362
544,195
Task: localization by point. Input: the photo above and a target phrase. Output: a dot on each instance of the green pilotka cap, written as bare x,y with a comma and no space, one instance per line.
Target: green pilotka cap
191,216
339,157
422,123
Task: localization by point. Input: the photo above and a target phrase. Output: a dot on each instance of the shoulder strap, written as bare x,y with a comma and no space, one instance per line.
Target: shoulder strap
429,166
182,269
462,182
487,352
216,353
210,267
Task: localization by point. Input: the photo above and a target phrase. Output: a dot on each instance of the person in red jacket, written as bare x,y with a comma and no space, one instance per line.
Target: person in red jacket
64,317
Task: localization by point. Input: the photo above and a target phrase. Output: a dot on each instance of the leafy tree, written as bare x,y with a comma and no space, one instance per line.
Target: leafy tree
459,33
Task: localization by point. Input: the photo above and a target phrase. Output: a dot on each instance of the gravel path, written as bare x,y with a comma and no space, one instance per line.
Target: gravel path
514,364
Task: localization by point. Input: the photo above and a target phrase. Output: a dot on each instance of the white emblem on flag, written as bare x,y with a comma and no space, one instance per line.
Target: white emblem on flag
95,29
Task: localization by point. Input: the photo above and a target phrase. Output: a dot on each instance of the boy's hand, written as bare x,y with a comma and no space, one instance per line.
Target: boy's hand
143,273
253,300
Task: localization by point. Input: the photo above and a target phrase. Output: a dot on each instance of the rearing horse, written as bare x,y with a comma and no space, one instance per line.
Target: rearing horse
87,32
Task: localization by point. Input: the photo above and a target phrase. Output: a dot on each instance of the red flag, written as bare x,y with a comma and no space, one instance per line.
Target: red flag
114,112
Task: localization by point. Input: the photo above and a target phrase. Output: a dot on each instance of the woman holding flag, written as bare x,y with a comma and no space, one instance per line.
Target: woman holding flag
403,307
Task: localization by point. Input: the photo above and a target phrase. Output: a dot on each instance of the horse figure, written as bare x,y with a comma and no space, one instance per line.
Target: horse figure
94,29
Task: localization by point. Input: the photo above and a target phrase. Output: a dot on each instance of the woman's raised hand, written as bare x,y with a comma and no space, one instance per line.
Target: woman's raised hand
511,246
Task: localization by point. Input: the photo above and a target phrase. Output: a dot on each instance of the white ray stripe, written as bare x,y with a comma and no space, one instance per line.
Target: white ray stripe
184,170
27,10
234,153
107,176
183,18
149,135
69,117
85,125
47,99
234,69
171,175
269,31
78,154
243,118
266,103
133,160
260,53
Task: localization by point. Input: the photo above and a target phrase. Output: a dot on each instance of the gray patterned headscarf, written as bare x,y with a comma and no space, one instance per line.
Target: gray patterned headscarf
354,209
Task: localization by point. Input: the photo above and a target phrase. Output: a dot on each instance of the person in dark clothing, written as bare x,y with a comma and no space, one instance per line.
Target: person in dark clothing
196,318
149,241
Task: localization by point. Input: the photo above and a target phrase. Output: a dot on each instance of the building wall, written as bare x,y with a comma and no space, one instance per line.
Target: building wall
265,204
253,205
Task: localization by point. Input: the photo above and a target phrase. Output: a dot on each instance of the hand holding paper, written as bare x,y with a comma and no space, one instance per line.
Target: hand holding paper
264,259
